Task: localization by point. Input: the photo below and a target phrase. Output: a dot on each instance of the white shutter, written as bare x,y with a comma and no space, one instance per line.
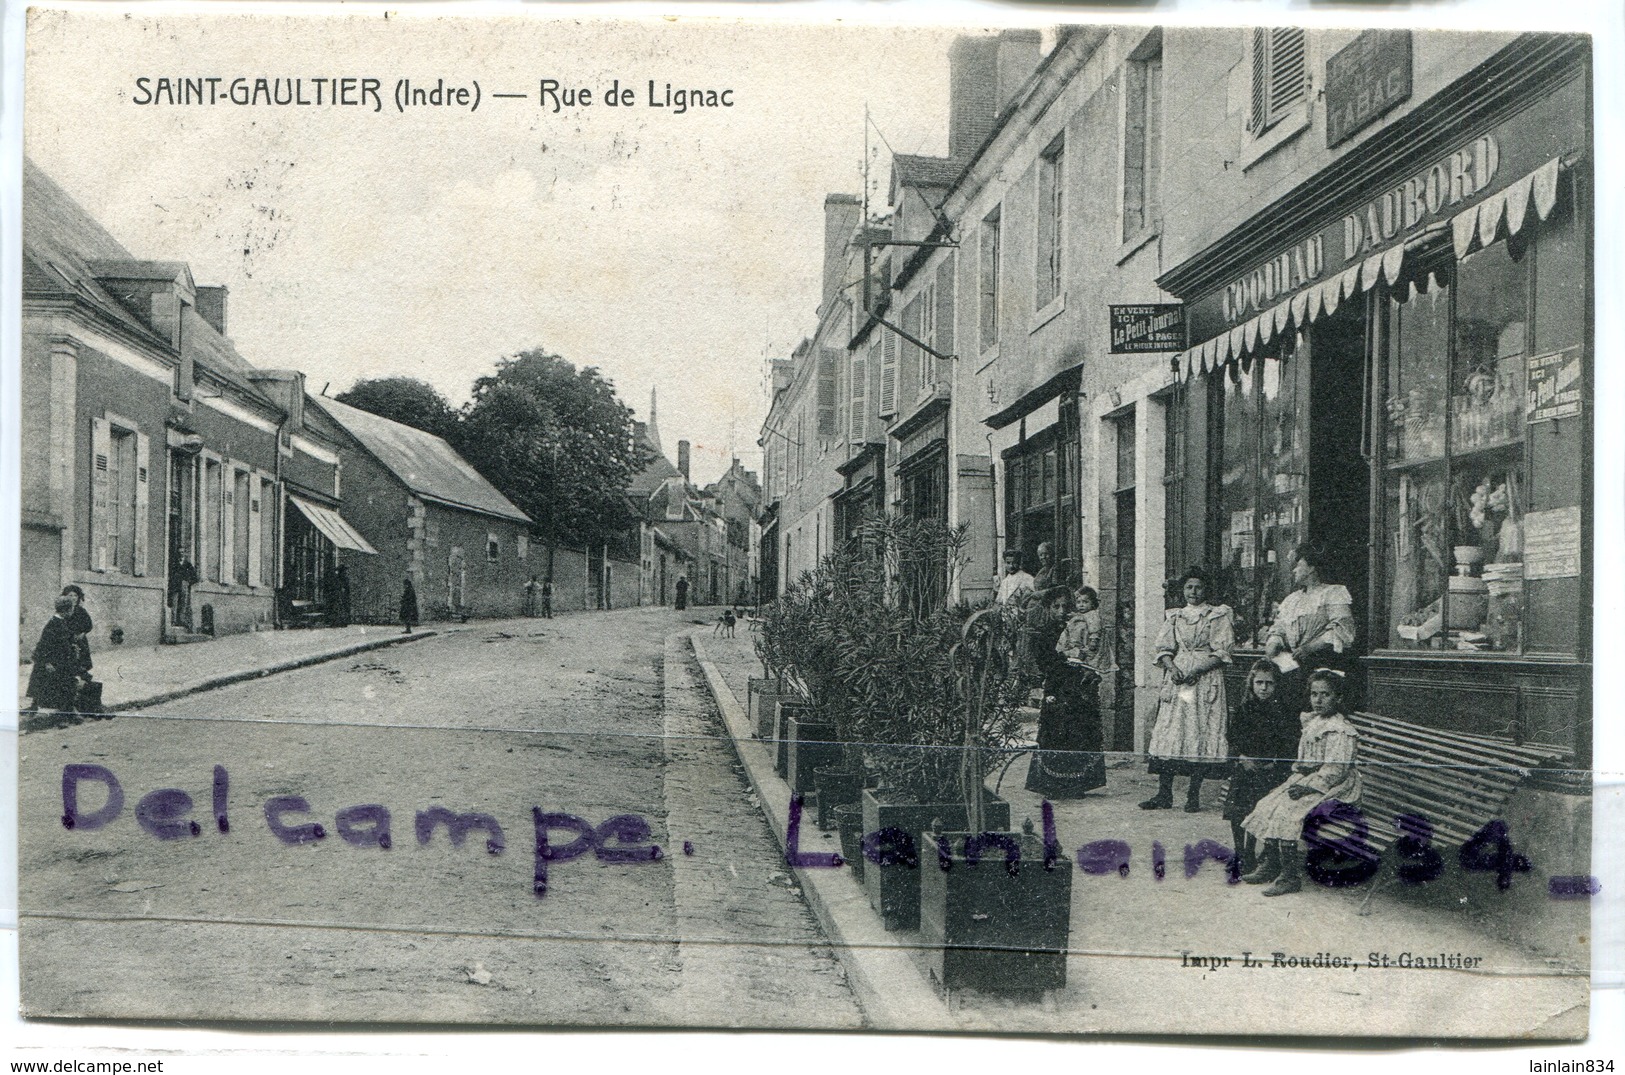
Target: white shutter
228,522
945,306
256,526
143,473
860,392
1287,81
888,374
101,503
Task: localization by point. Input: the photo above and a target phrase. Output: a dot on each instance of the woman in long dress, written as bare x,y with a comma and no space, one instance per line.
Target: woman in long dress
1325,770
1068,761
1188,737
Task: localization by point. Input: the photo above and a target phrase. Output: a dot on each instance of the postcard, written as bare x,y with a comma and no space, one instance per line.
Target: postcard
706,523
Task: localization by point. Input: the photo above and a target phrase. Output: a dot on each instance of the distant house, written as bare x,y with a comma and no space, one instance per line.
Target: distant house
430,515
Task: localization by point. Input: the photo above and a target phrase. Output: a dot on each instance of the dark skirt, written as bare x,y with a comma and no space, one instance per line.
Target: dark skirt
52,690
1246,789
1068,761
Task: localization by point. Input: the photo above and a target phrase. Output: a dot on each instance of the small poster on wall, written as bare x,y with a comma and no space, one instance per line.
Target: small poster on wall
1554,385
1551,544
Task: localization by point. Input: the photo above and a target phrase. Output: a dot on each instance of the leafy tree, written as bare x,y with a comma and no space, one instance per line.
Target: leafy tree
404,400
558,443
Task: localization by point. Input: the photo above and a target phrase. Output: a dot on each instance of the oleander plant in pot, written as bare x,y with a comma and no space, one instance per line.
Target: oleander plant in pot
995,908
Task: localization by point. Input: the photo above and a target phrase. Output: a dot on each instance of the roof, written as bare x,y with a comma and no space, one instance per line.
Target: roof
66,253
918,171
656,472
423,462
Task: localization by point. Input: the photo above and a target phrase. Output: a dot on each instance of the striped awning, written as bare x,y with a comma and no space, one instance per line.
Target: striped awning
1499,216
332,525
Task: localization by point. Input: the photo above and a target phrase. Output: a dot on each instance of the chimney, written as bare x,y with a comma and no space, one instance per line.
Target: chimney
973,76
211,306
1018,59
841,214
682,458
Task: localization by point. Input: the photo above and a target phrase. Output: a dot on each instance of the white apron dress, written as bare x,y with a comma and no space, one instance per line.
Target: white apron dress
1192,716
1327,749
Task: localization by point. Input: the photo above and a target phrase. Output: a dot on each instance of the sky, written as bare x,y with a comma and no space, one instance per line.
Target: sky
673,251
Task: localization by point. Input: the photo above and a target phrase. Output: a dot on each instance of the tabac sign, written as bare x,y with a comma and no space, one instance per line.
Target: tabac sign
1147,329
1364,80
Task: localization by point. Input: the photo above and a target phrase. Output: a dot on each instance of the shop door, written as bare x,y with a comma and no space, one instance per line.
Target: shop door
1339,506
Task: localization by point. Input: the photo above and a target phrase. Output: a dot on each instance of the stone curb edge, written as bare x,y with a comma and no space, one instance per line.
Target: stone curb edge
891,998
216,682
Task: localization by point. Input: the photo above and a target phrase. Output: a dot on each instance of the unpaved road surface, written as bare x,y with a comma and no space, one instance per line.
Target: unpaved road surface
597,716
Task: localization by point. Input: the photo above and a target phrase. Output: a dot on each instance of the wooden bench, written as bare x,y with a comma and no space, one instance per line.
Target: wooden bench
1457,782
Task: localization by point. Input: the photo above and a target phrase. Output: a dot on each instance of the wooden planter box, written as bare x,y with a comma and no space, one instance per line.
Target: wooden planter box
894,890
782,711
811,744
989,930
761,708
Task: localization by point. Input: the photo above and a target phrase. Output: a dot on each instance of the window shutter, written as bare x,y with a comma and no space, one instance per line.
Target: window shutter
228,522
945,306
143,469
1261,52
256,527
1287,82
860,390
1279,74
888,374
911,354
101,507
827,357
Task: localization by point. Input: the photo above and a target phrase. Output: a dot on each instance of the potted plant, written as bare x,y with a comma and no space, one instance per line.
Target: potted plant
995,907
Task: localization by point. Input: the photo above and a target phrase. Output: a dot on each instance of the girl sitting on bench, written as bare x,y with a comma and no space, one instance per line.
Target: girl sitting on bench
1325,769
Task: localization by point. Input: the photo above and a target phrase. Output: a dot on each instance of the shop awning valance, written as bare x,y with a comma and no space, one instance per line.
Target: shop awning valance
1502,214
332,525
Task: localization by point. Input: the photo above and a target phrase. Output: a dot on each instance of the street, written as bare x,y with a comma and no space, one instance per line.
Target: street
598,716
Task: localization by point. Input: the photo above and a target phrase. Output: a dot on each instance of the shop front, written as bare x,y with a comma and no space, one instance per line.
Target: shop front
1393,365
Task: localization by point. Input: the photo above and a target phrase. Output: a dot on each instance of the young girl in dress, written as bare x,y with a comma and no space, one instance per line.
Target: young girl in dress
1263,741
1325,769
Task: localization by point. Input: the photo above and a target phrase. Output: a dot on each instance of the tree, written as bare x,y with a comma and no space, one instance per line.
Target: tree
558,443
404,400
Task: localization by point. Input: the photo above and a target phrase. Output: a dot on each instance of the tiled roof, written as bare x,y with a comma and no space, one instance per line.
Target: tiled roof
426,464
65,250
917,171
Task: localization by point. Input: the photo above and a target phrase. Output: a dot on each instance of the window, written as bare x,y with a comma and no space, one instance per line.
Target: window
1261,485
242,529
926,374
989,268
267,510
914,356
1280,76
1041,478
118,507
1467,469
522,545
210,530
1051,212
493,549
944,321
1142,143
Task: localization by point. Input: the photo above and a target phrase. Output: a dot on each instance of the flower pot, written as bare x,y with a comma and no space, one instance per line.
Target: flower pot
894,888
837,785
761,706
782,710
811,743
849,821
994,927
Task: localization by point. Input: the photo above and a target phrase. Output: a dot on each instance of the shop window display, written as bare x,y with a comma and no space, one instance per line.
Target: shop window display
1261,486
1456,464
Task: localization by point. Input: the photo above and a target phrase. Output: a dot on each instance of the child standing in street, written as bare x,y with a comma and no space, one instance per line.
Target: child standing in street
1325,770
1263,742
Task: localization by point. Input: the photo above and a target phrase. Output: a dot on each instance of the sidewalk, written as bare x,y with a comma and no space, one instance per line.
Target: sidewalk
1125,971
134,677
